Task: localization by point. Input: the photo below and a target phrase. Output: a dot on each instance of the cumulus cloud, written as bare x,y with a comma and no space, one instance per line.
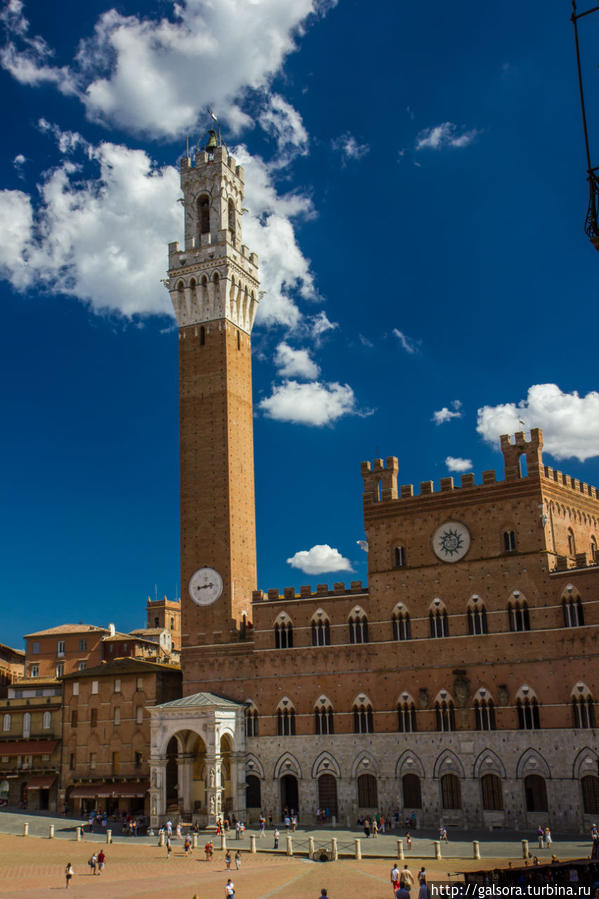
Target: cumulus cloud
321,559
444,415
349,148
409,345
454,463
19,161
285,124
99,223
445,135
570,422
295,363
314,403
156,76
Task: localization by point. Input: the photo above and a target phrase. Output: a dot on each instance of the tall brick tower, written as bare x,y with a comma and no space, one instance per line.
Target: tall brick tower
213,284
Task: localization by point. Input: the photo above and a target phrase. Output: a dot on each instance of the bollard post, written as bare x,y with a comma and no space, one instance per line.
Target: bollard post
78,832
109,836
437,847
223,842
400,849
253,843
289,845
50,831
310,847
358,849
161,838
334,850
194,841
334,821
26,829
524,848
475,849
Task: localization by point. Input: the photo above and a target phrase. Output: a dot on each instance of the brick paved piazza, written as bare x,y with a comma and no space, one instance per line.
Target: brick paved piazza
34,867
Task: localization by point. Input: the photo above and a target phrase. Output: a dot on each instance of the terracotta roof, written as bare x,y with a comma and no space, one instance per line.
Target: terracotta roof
18,652
149,630
200,699
119,638
125,665
68,629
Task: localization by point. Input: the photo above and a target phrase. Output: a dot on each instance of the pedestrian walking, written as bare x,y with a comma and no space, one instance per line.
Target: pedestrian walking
237,860
406,878
276,836
237,830
394,878
93,863
367,828
68,873
375,829
409,841
169,827
229,889
228,860
101,861
187,846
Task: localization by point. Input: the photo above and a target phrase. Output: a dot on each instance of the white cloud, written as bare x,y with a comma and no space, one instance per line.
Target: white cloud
445,135
365,341
319,325
19,161
454,463
103,238
295,363
409,345
321,559
314,403
349,148
157,76
444,415
570,422
285,124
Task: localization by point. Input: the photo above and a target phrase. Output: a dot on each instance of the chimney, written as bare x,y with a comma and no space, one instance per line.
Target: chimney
111,630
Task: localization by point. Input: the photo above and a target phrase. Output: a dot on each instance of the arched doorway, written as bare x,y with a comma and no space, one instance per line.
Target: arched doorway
412,794
289,794
327,794
253,792
535,793
172,774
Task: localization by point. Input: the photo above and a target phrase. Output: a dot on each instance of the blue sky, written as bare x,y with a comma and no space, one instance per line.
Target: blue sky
415,180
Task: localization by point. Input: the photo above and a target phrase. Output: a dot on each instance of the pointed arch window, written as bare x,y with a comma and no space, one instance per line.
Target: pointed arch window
286,719
358,627
445,713
451,792
401,623
439,624
492,792
571,543
251,722
590,794
484,711
363,717
324,723
321,630
593,548
406,715
477,617
283,633
231,221
518,615
528,710
399,557
204,214
509,541
572,609
583,708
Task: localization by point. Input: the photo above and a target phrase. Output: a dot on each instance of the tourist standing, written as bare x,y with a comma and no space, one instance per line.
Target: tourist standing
276,836
229,889
228,860
540,835
237,860
68,873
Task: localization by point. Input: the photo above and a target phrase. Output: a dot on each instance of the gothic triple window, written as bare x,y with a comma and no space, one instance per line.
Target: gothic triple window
438,621
283,633
401,623
286,720
477,617
518,615
363,717
583,709
406,716
572,610
251,722
484,713
323,718
528,710
358,627
445,716
321,630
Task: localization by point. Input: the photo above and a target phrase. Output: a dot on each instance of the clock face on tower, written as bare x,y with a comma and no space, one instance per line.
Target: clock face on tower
205,586
451,541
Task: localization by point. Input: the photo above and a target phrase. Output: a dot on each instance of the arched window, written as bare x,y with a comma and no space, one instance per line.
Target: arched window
492,792
321,629
593,548
399,557
401,623
477,617
27,724
406,715
444,712
571,543
251,722
535,792
358,627
412,793
47,720
6,722
583,709
323,717
252,792
285,719
509,541
368,796
517,611
231,222
204,214
572,608
484,711
590,794
439,624
363,717
528,710
451,793
283,632
202,335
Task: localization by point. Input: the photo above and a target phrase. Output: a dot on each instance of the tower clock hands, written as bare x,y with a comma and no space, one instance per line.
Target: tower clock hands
204,586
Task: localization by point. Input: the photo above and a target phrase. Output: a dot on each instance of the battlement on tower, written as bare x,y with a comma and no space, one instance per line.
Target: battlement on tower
306,592
203,158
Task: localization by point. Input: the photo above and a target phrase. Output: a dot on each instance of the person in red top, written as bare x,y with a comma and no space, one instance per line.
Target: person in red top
101,861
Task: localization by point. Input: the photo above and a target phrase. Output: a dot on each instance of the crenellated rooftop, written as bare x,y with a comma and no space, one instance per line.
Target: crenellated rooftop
306,592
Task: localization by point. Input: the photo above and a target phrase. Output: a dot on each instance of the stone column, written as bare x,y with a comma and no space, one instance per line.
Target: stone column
157,790
214,791
185,781
238,785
